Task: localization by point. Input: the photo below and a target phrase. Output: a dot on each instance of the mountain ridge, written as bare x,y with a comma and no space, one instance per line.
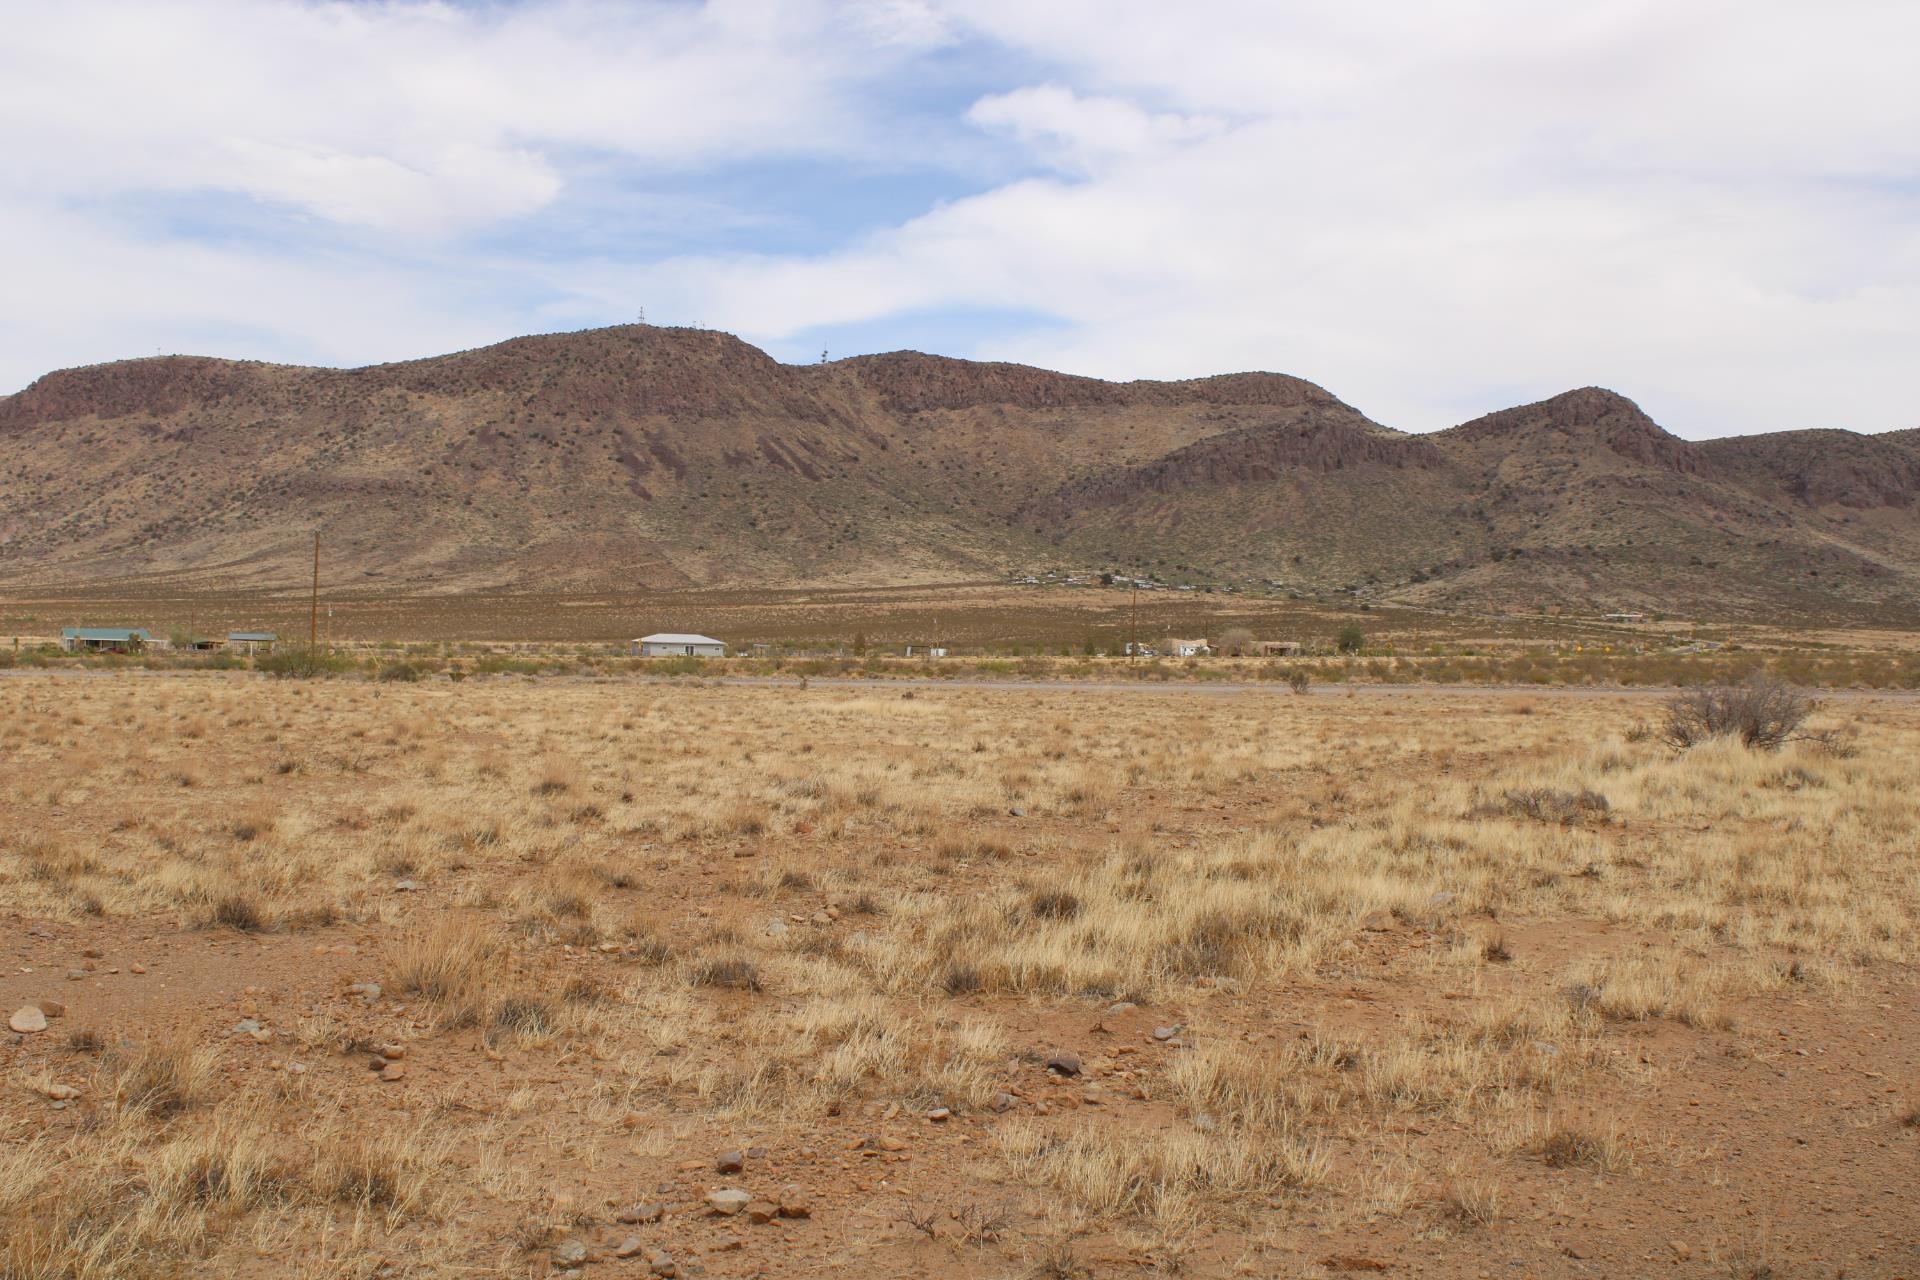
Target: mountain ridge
649,457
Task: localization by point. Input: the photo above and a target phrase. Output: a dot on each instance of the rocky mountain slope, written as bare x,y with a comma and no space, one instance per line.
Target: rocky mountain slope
641,457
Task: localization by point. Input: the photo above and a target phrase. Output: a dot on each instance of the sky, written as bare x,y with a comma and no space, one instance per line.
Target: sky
1433,210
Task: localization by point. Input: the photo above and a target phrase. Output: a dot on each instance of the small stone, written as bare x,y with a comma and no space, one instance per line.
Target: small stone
1441,899
92,953
569,1253
756,1153
1205,1123
730,1162
1124,1006
1092,1098
28,1019
393,1071
821,917
245,1027
404,886
1378,921
1165,1033
60,1092
888,1142
1002,1102
793,1202
296,1068
662,1264
74,975
628,1247
393,1052
776,928
136,968
52,1008
728,1201
260,1035
641,1213
1061,1062
762,1210
939,1115
1018,811
1681,1248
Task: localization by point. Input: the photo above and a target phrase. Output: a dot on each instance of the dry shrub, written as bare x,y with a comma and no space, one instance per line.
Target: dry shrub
447,964
1763,713
1565,808
732,973
158,1078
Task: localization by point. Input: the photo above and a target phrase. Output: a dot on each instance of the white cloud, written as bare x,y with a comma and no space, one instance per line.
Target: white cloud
1434,210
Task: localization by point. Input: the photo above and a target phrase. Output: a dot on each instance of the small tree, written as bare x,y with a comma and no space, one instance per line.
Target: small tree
1236,642
1351,638
1298,680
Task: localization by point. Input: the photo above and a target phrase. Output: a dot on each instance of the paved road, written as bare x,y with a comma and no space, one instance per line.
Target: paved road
1212,688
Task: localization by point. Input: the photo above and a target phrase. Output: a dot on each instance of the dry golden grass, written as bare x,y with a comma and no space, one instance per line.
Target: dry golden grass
711,910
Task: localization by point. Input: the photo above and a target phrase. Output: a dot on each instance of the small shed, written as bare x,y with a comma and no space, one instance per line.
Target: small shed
1277,648
671,644
105,639
1189,648
252,641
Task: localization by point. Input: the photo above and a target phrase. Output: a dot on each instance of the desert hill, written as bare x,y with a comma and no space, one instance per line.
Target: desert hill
639,456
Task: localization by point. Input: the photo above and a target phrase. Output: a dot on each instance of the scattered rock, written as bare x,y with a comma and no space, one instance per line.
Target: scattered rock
1002,1102
1061,1062
245,1027
756,1153
641,1213
793,1202
1681,1249
393,1052
1377,921
74,975
92,953
776,928
762,1210
1205,1123
730,1162
1124,1006
1018,811
404,886
570,1253
59,1092
28,1019
728,1201
52,1008
628,1247
136,968
393,1071
367,991
1441,899
821,917
260,1035
1165,1033
662,1264
296,1068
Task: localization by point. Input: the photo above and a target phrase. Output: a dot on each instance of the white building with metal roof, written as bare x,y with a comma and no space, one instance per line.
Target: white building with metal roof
673,644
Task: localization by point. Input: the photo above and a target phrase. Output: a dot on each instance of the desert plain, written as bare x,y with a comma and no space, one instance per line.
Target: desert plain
617,977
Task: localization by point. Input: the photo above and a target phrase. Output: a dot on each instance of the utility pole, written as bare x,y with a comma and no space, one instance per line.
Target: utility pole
313,619
1133,625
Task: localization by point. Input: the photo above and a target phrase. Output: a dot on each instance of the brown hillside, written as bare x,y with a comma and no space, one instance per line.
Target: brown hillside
650,457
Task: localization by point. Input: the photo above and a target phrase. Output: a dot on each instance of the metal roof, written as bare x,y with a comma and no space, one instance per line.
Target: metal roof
105,633
674,637
252,635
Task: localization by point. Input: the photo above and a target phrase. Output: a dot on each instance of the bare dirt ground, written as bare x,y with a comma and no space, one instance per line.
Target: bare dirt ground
512,976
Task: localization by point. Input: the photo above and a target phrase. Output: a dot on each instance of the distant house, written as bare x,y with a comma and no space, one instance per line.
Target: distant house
1189,648
1277,648
1624,617
252,641
105,639
669,644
